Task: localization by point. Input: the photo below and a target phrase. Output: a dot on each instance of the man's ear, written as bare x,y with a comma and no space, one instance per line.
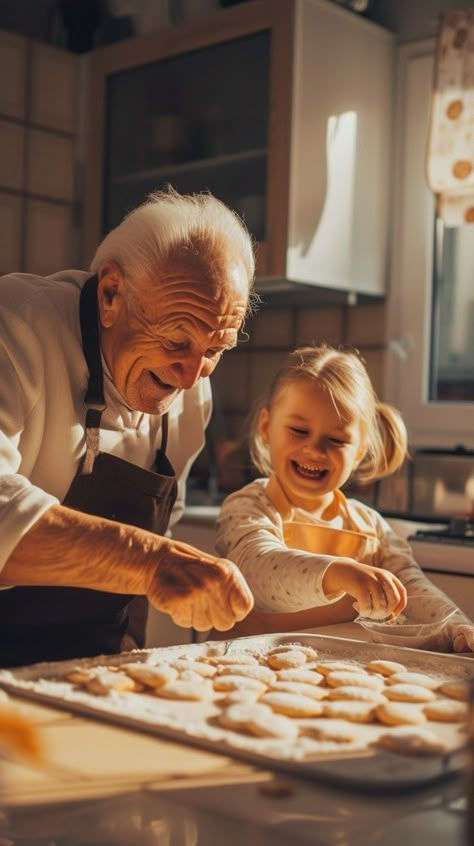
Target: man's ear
262,425
110,293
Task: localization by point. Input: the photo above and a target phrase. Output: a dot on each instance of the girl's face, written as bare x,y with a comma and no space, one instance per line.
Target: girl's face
312,450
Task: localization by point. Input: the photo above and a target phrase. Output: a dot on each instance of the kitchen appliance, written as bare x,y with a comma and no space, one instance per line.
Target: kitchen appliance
446,549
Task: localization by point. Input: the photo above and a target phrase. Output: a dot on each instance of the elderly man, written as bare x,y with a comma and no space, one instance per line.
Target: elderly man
104,398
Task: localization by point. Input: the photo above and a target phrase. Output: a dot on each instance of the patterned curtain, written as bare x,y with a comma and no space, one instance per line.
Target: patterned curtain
450,151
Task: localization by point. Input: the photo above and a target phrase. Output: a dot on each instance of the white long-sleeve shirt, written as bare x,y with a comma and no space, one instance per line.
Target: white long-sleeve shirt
43,380
250,533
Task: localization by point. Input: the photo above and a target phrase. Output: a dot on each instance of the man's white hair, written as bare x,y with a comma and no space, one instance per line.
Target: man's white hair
141,243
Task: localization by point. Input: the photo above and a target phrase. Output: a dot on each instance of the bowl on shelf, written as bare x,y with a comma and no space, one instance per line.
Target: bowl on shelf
416,626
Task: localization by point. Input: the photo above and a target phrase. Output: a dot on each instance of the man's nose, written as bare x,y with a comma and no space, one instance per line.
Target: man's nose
189,371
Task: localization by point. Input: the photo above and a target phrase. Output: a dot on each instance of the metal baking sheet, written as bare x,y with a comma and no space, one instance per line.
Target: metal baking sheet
357,765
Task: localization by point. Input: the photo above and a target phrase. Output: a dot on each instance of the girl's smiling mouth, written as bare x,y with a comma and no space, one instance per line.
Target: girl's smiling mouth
309,472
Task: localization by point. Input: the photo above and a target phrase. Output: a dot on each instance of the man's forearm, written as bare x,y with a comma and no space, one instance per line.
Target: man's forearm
68,547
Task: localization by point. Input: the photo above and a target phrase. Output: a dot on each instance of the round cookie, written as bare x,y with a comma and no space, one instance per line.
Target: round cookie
404,692
182,689
400,714
410,677
386,668
292,704
289,658
347,709
251,671
235,658
300,674
340,731
300,689
358,694
411,741
234,682
104,681
455,690
326,667
199,667
341,677
235,697
308,651
258,720
446,711
151,675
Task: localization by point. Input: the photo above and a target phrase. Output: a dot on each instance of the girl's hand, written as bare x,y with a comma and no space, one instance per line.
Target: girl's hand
378,592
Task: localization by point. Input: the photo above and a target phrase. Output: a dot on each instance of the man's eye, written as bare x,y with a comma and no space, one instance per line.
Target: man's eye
214,353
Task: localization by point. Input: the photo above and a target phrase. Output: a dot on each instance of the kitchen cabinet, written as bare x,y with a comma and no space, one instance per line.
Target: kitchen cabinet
39,114
280,107
13,59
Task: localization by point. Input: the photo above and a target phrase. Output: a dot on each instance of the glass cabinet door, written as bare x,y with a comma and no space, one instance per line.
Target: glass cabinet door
196,121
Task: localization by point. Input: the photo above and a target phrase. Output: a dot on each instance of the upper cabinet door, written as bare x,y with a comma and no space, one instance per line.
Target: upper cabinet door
54,88
13,52
254,103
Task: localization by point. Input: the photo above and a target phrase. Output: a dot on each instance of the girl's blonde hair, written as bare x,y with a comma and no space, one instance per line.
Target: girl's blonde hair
343,374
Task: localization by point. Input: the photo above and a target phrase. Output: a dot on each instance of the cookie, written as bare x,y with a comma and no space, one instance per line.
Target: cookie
104,681
400,713
288,658
79,675
455,690
386,668
345,709
182,689
292,704
300,689
200,667
405,692
310,653
339,731
234,658
409,677
251,671
300,674
258,720
446,711
356,693
234,682
338,678
151,675
411,741
326,667
234,697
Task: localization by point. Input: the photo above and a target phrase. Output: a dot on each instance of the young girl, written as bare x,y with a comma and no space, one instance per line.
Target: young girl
310,556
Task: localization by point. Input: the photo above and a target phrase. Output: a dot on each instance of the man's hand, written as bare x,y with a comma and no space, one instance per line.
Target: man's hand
203,592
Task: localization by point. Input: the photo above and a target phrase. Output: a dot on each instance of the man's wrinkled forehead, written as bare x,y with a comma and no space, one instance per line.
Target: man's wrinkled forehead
203,280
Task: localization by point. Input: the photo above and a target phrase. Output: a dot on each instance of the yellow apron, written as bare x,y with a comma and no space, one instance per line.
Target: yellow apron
323,540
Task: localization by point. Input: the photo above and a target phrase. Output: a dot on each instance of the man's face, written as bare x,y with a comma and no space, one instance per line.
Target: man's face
176,335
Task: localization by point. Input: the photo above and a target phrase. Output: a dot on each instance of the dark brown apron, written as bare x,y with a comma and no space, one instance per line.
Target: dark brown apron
55,623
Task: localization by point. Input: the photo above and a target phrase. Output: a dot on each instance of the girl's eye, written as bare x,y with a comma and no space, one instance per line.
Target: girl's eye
337,441
296,431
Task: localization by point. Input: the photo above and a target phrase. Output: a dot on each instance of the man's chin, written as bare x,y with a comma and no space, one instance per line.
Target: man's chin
162,405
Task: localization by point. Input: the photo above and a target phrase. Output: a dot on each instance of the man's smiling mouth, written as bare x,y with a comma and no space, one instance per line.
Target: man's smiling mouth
164,385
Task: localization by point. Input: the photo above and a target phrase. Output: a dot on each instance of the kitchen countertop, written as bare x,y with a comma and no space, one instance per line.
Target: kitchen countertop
102,779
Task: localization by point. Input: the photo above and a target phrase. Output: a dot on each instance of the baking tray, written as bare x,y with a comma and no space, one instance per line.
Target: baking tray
355,766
